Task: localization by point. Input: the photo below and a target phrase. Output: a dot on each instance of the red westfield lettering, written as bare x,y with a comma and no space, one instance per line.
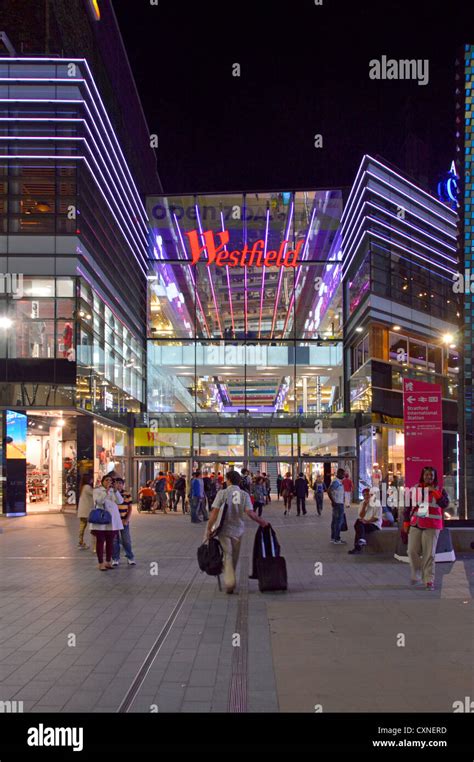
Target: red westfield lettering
215,244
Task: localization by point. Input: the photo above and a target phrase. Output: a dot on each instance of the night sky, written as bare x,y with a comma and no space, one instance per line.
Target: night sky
304,71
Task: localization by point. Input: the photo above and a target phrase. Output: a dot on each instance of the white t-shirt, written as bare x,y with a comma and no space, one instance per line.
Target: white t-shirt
373,511
238,501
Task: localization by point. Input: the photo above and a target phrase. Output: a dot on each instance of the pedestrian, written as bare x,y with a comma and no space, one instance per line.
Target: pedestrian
106,497
259,494
268,488
180,488
233,527
279,481
348,489
210,489
246,480
426,522
369,520
336,496
123,535
147,496
318,488
301,492
197,496
86,504
287,492
160,490
170,494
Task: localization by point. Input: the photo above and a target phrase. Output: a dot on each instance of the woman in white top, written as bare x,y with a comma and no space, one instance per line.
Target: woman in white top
106,497
86,503
370,520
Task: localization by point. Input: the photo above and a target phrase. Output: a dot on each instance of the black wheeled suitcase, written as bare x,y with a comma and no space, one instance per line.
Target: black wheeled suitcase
271,570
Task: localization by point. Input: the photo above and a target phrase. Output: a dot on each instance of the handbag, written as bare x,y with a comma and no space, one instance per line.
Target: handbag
100,516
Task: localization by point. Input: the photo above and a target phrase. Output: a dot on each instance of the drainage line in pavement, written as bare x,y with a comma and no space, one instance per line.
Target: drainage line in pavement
152,654
237,701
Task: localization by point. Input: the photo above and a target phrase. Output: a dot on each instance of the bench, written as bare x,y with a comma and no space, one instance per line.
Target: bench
385,540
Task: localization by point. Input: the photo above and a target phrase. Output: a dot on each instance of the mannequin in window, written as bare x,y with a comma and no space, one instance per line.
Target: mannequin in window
37,338
67,339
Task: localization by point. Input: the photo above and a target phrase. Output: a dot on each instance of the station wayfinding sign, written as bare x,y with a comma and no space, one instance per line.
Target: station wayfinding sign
423,418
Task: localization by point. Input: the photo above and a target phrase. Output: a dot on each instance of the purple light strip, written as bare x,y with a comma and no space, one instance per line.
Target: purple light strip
94,287
399,246
245,271
138,205
354,248
59,158
208,273
346,216
190,270
110,131
305,249
356,186
280,278
228,281
267,224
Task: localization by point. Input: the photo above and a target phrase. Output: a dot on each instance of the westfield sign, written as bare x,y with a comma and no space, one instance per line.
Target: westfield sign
215,244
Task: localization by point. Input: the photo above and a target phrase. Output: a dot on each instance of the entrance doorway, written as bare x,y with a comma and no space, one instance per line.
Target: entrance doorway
51,462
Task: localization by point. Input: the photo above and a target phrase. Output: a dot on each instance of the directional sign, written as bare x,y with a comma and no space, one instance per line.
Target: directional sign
423,422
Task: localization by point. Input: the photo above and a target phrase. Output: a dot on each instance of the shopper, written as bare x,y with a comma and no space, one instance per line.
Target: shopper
287,491
319,488
147,496
370,520
301,492
336,496
180,489
108,498
230,535
197,496
123,536
86,504
170,494
160,489
348,490
426,522
268,487
210,489
279,481
246,480
259,494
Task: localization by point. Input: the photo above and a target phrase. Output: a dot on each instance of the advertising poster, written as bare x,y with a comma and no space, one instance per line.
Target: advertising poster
423,414
16,435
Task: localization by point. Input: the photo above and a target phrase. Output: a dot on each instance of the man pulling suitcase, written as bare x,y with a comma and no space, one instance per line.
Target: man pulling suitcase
230,533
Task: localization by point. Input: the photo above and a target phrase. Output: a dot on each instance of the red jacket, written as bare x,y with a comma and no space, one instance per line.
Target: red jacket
434,519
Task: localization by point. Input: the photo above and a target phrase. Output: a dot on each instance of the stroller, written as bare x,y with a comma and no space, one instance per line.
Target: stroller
145,504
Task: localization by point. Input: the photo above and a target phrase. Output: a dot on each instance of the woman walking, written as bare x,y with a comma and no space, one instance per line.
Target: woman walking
108,498
287,491
86,503
426,522
259,494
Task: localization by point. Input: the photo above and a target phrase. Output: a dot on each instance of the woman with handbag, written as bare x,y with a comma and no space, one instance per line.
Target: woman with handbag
86,504
105,520
287,491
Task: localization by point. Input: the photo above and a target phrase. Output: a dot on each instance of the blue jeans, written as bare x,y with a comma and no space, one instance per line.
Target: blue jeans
123,536
195,504
337,519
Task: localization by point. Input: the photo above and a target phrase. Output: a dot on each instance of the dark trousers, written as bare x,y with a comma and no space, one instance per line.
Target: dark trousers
319,502
300,504
104,537
361,530
180,496
258,507
337,519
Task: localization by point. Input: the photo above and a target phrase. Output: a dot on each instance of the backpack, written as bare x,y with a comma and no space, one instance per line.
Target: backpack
210,557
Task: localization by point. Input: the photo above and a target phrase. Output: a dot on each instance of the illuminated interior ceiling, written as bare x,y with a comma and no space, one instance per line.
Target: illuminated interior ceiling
272,302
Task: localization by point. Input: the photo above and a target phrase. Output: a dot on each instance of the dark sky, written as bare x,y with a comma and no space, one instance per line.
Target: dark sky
304,70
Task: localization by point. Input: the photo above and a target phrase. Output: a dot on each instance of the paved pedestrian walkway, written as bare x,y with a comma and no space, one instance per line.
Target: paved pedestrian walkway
349,635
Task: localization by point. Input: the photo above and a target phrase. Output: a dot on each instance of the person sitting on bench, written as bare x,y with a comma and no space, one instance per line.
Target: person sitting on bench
370,520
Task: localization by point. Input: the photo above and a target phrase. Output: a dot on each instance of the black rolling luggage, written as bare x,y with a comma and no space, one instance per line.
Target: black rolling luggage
271,569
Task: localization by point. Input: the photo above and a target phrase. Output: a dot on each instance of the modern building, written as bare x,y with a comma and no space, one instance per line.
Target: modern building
401,317
75,163
465,198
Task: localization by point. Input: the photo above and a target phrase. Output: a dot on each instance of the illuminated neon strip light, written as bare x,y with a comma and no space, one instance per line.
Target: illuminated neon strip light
346,217
208,271
80,61
190,270
228,280
83,102
73,139
246,325
429,224
349,259
388,170
280,278
399,246
267,224
305,249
